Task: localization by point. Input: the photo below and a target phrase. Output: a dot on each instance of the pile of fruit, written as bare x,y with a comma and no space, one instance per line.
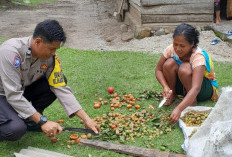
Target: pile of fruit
123,127
116,126
195,118
117,101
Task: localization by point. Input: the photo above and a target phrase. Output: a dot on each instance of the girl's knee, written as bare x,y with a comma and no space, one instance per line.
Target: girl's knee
170,64
185,70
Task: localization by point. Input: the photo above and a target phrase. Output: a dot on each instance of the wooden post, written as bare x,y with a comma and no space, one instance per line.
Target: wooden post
126,149
229,9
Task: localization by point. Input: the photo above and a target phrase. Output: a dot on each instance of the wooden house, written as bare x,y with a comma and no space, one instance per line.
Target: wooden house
166,14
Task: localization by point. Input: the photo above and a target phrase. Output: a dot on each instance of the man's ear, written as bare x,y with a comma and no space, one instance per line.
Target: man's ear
38,41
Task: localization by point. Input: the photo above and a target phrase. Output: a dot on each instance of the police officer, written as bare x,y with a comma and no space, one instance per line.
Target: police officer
31,79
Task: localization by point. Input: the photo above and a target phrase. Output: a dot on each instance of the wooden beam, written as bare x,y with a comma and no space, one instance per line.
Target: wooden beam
162,2
176,18
202,8
126,149
135,13
174,24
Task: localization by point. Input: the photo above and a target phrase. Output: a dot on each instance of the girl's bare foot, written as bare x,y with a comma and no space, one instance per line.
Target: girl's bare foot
218,20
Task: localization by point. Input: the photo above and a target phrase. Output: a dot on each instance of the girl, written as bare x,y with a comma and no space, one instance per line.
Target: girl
185,69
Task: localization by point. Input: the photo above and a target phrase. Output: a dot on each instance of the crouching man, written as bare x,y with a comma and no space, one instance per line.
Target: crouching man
31,79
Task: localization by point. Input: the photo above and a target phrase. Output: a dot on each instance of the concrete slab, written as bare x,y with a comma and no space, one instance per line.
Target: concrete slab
48,152
36,152
222,29
33,153
20,155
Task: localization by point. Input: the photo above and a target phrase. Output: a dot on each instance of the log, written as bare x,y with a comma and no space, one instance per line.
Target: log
135,13
176,18
162,2
126,149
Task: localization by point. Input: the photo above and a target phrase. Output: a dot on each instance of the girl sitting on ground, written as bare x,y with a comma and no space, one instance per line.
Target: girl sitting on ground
185,69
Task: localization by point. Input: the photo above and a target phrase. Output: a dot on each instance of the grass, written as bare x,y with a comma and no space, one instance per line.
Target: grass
16,3
36,2
31,2
2,40
92,72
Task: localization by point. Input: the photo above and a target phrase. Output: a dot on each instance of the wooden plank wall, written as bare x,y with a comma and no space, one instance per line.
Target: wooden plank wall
173,11
166,2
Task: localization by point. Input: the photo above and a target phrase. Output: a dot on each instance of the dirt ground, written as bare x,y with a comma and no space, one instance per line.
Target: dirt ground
89,23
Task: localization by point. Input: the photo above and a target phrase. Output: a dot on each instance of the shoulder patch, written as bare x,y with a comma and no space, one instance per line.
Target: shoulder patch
17,61
56,79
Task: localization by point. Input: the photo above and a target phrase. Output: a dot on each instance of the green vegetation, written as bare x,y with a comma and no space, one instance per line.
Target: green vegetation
92,72
2,40
35,2
5,3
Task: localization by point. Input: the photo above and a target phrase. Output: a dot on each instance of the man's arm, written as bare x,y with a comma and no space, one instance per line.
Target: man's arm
67,99
65,95
72,107
35,117
89,123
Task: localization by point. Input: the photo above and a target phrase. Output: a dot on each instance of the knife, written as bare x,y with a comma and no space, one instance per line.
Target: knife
165,99
82,130
162,102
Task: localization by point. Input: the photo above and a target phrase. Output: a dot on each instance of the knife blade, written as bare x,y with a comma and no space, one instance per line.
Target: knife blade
162,102
82,130
165,99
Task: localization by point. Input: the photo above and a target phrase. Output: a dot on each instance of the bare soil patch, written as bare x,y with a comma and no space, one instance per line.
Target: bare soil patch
88,24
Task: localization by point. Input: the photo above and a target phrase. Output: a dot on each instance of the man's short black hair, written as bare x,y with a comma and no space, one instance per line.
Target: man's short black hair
49,31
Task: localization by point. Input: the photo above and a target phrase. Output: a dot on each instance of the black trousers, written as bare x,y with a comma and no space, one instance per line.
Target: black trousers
12,127
39,94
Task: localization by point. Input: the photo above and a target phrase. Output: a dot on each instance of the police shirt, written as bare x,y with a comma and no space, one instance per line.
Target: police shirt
18,69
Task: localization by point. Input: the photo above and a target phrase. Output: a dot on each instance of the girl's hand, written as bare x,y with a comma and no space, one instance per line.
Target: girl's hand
166,92
175,115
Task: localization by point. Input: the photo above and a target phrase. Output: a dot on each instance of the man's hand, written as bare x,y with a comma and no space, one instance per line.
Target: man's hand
175,115
92,125
89,123
51,128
